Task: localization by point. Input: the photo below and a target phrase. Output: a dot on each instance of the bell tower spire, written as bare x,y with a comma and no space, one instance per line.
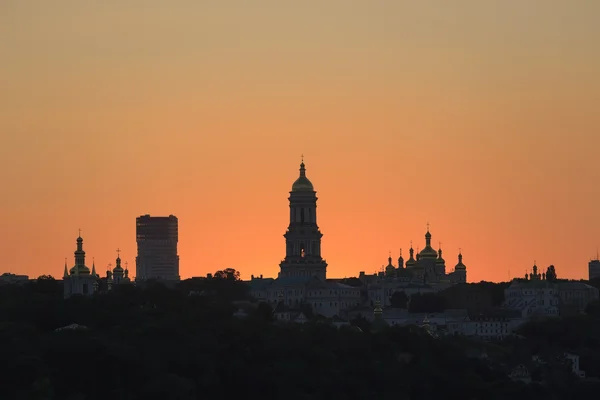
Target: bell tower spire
303,238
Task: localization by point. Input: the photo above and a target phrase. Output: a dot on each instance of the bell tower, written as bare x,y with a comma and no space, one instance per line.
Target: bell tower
303,238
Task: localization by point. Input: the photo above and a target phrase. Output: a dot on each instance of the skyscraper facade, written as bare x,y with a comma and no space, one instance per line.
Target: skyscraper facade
594,269
157,256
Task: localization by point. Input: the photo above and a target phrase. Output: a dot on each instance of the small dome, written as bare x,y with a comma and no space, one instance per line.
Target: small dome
440,259
460,265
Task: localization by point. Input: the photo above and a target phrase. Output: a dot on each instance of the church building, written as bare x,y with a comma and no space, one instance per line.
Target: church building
118,275
302,279
79,279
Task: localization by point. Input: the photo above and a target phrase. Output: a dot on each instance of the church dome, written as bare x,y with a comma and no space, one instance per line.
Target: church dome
118,268
302,184
79,269
440,259
428,252
460,265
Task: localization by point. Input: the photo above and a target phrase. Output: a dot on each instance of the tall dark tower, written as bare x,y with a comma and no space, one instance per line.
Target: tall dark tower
303,238
157,256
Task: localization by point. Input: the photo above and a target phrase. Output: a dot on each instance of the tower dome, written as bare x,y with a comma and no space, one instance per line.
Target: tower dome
118,267
440,260
428,251
411,261
302,184
79,268
118,270
460,265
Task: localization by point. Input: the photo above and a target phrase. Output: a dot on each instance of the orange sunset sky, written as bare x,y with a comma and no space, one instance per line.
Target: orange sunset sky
479,117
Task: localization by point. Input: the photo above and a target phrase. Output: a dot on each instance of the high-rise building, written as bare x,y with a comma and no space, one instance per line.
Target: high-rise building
157,256
594,269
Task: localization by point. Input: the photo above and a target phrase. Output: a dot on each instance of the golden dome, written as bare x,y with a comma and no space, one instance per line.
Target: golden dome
302,184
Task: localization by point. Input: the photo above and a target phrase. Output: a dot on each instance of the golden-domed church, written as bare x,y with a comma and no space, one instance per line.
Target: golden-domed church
79,279
118,275
428,267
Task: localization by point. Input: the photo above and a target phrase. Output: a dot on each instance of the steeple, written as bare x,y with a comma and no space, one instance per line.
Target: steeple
460,265
400,260
118,270
303,238
440,259
428,251
80,267
302,184
411,260
94,267
66,273
390,269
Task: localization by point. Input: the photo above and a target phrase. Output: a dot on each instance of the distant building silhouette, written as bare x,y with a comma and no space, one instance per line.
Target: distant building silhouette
10,278
118,275
594,269
428,267
302,278
303,238
157,256
79,279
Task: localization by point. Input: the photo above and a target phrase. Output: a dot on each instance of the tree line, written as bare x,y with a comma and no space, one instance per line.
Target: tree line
155,342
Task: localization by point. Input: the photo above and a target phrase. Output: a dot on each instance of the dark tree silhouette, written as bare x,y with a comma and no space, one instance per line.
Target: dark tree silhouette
551,274
228,273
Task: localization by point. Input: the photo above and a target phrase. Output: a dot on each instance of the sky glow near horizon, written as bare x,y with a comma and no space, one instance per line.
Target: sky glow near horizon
480,118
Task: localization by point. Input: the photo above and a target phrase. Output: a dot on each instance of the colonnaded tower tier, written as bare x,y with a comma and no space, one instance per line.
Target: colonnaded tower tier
303,238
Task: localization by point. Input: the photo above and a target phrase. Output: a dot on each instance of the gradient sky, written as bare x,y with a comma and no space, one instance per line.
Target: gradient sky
480,117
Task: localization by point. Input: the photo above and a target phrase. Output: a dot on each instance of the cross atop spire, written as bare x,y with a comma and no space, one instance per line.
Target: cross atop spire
79,232
427,226
302,157
118,253
125,264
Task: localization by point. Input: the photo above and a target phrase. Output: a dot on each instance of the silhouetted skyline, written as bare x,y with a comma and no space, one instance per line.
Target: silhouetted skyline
479,118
